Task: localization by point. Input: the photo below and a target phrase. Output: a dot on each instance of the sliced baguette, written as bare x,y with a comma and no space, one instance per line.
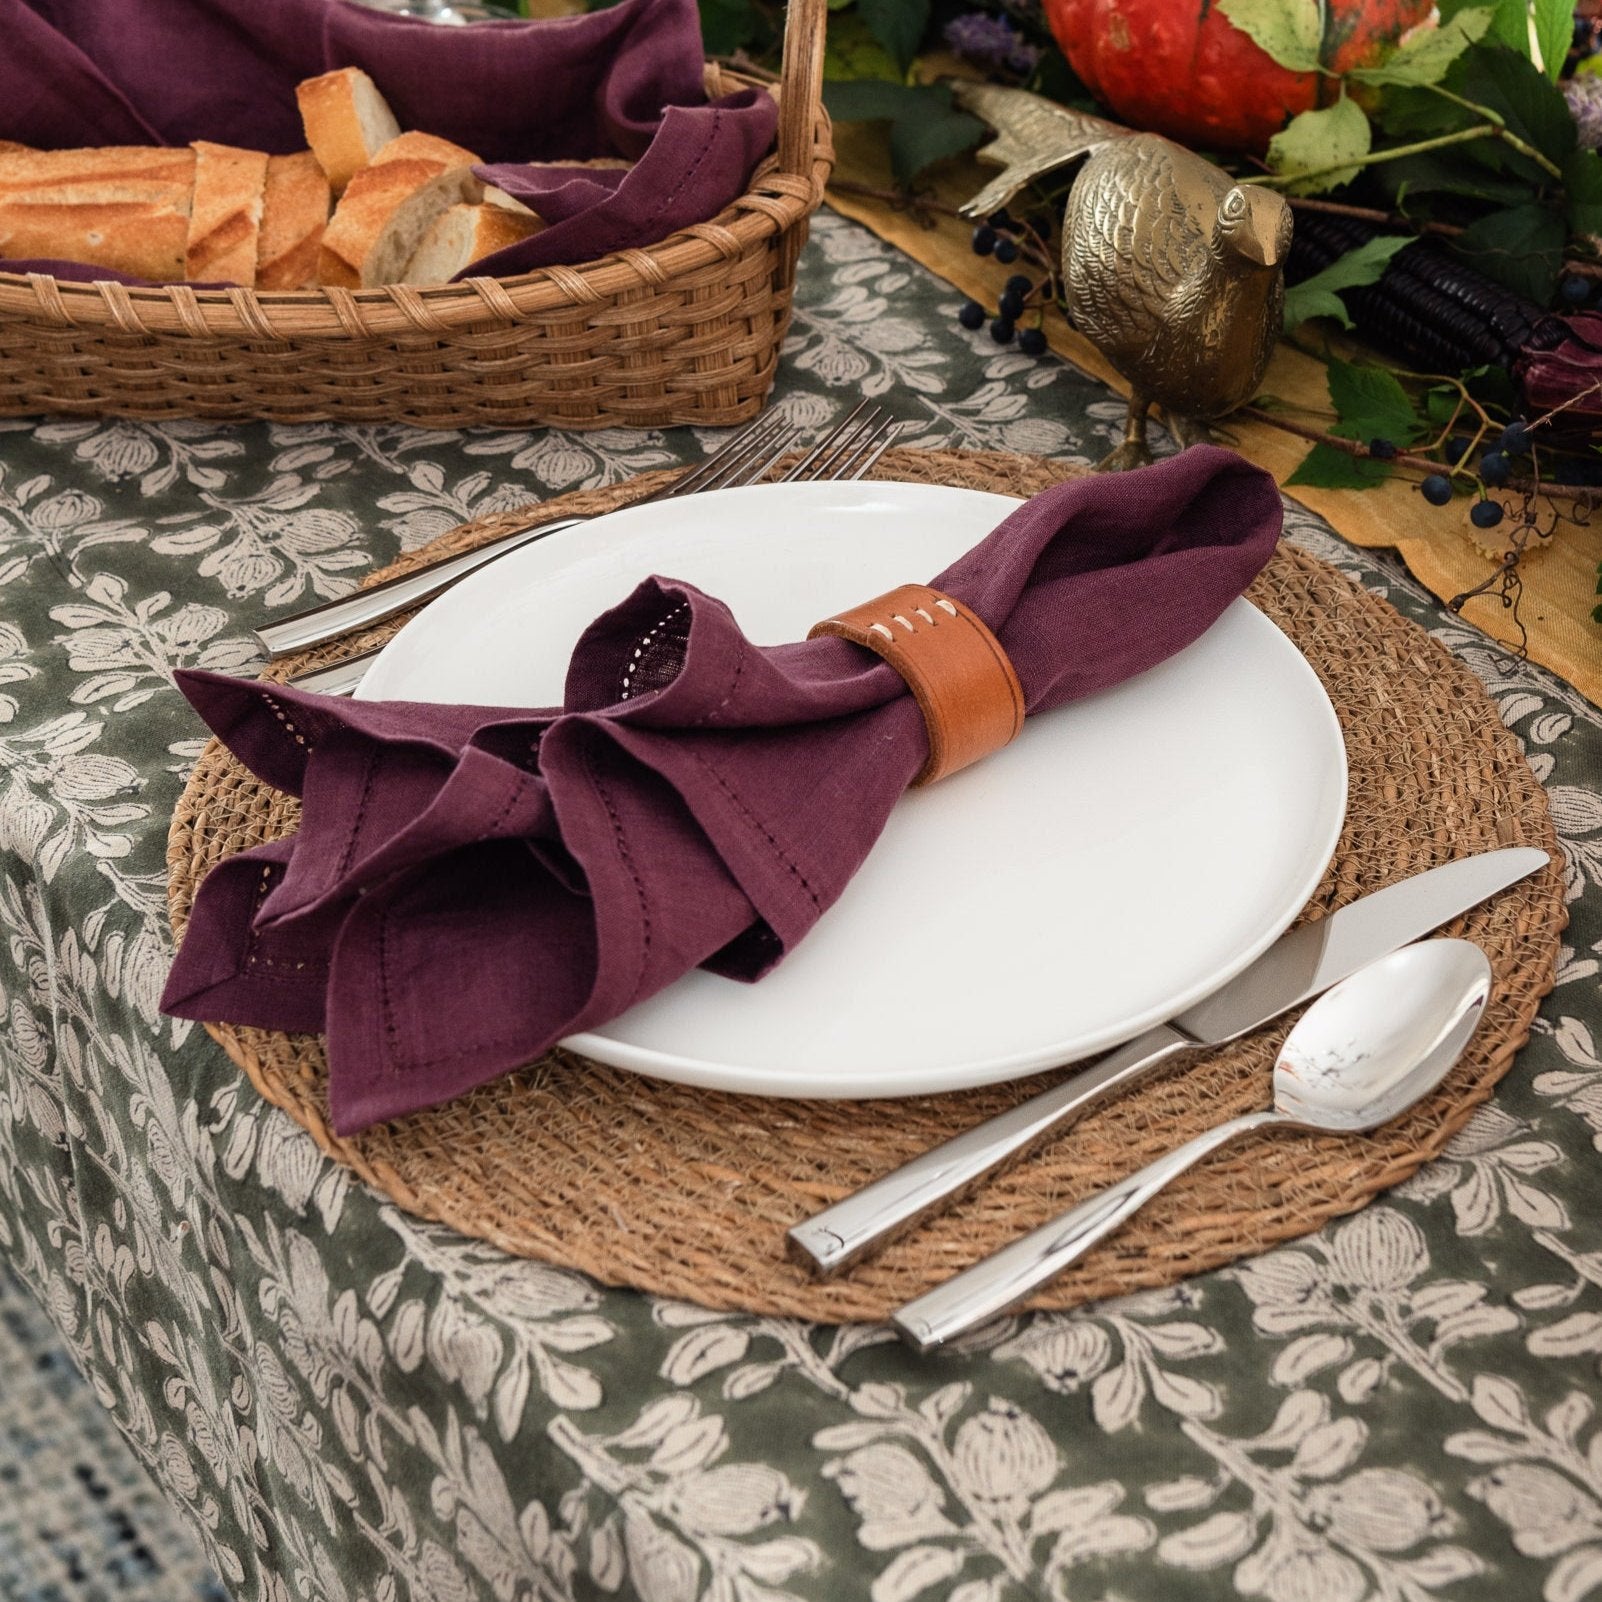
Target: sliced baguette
123,207
294,216
141,241
464,234
347,122
225,220
390,205
115,175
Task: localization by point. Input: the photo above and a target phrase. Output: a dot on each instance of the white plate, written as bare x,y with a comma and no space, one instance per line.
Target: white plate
1122,858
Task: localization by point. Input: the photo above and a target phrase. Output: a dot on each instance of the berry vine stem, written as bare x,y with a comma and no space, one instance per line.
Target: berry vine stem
1375,158
909,200
1499,122
1352,447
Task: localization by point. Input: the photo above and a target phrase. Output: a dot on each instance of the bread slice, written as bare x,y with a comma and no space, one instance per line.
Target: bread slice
499,197
347,122
294,215
390,205
225,220
122,207
464,234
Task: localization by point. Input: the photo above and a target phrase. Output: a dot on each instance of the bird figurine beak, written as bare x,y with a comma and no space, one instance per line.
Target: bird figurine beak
1257,223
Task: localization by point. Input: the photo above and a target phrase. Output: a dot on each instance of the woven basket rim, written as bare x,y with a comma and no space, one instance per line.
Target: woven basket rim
772,202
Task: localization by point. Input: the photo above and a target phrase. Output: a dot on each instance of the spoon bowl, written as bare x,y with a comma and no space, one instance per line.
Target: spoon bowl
1373,1045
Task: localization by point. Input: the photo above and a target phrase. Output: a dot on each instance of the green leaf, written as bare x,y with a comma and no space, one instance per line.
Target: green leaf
921,139
851,52
1554,33
1291,31
730,25
925,126
1317,297
1521,248
1532,27
1507,83
1425,58
1407,113
1441,404
1321,143
1446,172
1582,185
865,99
1325,467
1370,404
1510,25
897,24
1304,301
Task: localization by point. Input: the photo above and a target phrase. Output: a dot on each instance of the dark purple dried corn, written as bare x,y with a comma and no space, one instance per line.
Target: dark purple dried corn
1429,308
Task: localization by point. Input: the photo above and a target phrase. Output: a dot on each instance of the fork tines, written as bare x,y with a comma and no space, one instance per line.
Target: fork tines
850,448
742,459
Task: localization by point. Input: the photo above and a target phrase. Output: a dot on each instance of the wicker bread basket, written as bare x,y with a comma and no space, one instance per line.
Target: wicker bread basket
687,331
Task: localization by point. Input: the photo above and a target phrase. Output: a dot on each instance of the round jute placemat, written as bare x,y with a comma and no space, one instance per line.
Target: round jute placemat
688,1192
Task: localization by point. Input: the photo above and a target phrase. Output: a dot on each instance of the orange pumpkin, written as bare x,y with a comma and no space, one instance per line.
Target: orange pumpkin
1182,68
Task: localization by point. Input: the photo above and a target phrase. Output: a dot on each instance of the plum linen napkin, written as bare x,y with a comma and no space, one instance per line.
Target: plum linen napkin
471,884
625,81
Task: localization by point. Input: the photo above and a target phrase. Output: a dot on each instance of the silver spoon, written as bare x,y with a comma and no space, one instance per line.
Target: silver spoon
1364,1052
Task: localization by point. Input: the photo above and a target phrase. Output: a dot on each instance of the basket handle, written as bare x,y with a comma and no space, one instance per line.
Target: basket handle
801,83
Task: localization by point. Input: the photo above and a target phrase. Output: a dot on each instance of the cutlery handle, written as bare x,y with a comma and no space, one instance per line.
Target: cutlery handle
320,624
839,1235
340,678
994,1283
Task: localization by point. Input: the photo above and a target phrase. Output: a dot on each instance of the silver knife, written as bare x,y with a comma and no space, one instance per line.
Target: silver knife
1297,967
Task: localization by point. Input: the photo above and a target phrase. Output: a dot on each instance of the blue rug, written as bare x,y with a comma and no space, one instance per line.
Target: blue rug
80,1520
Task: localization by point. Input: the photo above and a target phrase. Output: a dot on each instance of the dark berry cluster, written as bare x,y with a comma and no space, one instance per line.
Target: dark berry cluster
1004,327
1495,468
994,237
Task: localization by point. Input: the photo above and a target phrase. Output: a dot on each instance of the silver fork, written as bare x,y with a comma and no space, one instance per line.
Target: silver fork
763,441
848,451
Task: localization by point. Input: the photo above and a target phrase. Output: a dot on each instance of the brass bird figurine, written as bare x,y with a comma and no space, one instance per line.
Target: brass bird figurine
1176,273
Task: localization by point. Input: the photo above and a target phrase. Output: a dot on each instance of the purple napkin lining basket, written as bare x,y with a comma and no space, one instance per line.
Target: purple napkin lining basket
686,331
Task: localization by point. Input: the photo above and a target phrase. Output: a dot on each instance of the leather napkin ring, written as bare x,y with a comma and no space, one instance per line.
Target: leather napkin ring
966,688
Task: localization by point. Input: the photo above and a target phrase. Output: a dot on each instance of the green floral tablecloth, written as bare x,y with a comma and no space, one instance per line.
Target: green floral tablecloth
354,1405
